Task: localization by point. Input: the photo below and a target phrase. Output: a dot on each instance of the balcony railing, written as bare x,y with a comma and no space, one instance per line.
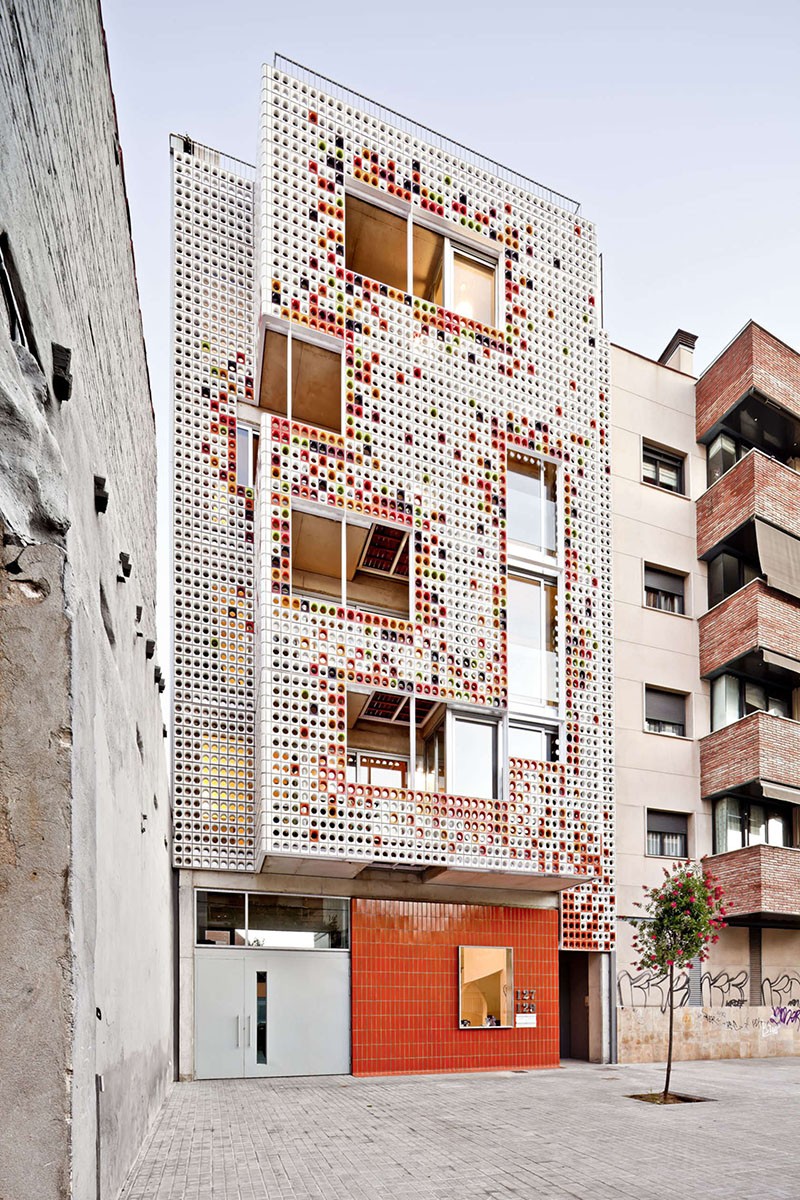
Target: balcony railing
751,619
759,747
758,486
759,880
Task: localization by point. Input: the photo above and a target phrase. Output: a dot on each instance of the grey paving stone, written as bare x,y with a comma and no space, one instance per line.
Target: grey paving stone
570,1134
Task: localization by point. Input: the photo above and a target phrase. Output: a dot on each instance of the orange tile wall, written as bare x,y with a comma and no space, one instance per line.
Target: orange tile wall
405,987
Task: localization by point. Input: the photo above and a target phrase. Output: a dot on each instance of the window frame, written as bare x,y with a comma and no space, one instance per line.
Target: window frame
740,449
743,565
250,434
674,817
551,730
651,721
316,340
455,242
745,804
519,705
525,554
742,682
344,519
664,458
675,612
454,715
220,946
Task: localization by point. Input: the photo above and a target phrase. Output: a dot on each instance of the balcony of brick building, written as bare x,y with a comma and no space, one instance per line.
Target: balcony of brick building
757,488
752,390
758,755
755,632
761,884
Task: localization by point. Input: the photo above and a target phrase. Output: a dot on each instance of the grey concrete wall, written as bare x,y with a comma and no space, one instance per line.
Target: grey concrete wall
85,878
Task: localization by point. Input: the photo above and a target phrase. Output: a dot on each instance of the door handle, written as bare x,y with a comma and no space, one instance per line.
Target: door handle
237,1030
249,1021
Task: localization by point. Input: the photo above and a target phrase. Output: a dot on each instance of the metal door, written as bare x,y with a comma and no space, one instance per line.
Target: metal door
219,1025
296,1012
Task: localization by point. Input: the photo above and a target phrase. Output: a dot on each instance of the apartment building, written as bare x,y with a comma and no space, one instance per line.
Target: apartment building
707,669
393,738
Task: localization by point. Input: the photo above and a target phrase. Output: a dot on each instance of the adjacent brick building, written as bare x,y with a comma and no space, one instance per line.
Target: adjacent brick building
708,669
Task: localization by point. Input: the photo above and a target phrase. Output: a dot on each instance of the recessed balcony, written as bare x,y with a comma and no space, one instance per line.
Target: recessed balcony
757,488
752,390
759,882
756,632
758,756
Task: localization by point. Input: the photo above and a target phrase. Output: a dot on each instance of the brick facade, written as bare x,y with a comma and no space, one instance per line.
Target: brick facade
755,359
759,879
757,486
755,616
757,747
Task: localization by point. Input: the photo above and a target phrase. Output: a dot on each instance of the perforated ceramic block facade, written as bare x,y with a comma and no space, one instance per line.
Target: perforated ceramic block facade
214,699
405,1007
434,403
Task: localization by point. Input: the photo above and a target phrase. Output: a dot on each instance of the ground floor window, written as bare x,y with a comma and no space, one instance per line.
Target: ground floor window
266,921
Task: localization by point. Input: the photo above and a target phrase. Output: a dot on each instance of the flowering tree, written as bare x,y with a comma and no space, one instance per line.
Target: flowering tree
683,917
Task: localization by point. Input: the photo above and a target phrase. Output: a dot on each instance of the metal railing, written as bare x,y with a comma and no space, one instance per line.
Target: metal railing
215,158
422,132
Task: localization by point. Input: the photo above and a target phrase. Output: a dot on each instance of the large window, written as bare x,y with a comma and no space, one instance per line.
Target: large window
355,561
662,469
440,269
533,741
726,574
474,760
723,453
740,822
665,712
275,922
663,590
312,392
532,667
667,834
733,697
486,987
531,505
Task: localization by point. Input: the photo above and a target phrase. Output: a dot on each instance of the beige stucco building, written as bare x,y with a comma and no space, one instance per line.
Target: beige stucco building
706,670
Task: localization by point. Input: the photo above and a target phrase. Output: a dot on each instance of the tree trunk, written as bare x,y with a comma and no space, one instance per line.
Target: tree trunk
671,1016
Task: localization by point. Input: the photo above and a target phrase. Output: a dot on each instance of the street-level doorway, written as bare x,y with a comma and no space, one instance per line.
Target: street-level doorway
271,1012
271,985
573,993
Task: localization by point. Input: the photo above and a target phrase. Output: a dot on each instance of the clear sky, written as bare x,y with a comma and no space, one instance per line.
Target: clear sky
675,125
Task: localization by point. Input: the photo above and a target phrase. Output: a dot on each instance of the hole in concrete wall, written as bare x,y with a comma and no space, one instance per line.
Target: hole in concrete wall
139,741
105,613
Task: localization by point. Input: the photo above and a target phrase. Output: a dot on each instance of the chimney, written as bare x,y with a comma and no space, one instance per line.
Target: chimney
679,352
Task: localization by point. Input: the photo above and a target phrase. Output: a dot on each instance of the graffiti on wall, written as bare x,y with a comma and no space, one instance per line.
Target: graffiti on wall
781,992
724,990
646,989
785,1016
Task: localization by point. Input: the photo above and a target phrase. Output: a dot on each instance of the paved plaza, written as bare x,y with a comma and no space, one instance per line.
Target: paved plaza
567,1134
